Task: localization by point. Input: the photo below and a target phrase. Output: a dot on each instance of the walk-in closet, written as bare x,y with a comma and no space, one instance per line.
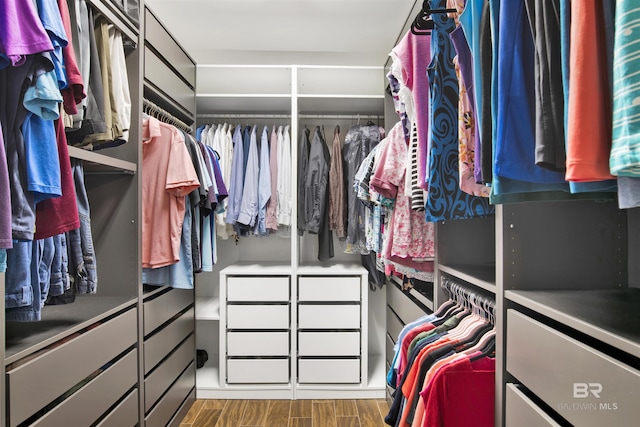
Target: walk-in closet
320,213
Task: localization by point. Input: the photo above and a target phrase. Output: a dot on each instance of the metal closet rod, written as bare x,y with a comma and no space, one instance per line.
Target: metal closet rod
153,109
288,116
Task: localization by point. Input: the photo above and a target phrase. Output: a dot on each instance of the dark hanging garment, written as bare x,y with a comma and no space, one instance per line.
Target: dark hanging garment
316,203
486,58
544,20
303,162
358,143
316,183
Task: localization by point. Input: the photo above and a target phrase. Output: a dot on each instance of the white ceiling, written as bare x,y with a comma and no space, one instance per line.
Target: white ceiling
334,32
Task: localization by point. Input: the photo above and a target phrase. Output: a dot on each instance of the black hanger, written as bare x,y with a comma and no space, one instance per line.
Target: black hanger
422,25
423,22
487,351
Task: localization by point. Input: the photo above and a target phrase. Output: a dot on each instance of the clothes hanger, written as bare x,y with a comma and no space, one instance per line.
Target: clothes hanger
422,24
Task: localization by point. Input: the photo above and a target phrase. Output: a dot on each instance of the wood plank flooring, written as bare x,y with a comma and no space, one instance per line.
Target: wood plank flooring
286,413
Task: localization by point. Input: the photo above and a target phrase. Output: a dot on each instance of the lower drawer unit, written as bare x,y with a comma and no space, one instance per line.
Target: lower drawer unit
582,384
328,316
258,343
257,371
258,317
521,411
91,401
329,343
97,346
329,371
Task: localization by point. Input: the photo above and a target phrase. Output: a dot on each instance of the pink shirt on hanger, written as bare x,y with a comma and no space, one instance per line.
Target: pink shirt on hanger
168,175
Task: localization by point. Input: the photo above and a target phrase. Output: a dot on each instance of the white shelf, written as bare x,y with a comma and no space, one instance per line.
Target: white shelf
341,104
207,378
207,308
377,372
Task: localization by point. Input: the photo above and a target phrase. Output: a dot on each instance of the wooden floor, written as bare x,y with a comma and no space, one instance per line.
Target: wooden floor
286,413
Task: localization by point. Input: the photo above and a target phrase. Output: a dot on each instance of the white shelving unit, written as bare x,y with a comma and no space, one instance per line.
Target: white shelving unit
296,95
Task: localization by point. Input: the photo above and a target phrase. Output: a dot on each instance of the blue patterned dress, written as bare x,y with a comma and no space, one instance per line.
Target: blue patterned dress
445,200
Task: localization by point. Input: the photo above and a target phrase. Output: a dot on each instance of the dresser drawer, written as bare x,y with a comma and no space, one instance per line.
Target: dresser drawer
523,412
406,309
330,288
161,343
329,343
584,385
97,347
389,349
329,371
394,325
258,343
168,405
162,308
329,316
258,317
166,373
123,415
88,404
258,288
257,371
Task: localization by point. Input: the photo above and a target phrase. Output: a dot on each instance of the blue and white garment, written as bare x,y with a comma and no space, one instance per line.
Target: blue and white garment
445,200
625,149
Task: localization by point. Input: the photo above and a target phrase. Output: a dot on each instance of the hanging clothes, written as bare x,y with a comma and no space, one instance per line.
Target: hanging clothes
304,147
316,183
468,135
249,207
316,203
410,62
544,21
264,184
166,160
285,189
237,178
408,236
449,350
74,92
625,151
337,205
470,17
444,199
358,143
589,124
483,97
272,204
90,119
